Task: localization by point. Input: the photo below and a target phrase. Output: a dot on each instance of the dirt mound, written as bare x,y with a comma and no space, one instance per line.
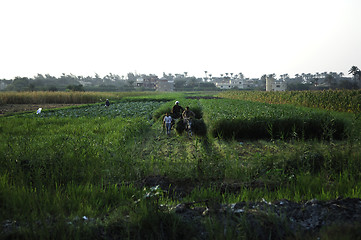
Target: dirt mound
280,218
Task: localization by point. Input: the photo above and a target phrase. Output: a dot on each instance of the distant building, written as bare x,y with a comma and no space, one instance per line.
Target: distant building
147,83
250,83
230,84
85,84
163,85
139,82
275,85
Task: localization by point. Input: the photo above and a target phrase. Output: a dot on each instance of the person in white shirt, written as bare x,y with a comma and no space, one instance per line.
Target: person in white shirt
167,121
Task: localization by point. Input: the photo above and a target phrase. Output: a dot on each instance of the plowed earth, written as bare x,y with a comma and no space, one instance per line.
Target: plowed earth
8,109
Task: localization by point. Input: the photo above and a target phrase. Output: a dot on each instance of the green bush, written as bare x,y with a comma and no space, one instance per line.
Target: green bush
197,111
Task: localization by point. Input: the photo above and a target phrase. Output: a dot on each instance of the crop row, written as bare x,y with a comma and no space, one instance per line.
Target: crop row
335,100
64,97
251,120
120,109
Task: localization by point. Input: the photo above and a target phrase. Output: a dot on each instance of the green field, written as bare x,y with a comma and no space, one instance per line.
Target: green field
112,173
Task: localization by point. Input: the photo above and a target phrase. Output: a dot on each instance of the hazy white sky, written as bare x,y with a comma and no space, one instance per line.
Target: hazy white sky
255,37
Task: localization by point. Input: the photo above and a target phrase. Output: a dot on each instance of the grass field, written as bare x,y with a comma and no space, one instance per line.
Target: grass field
95,172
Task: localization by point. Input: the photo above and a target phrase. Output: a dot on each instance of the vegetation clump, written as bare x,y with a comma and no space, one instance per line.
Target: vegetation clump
321,127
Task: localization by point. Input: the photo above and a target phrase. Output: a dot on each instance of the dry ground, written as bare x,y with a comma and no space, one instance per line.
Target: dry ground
7,109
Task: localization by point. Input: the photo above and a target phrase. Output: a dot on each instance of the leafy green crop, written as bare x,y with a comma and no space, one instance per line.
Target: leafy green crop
121,109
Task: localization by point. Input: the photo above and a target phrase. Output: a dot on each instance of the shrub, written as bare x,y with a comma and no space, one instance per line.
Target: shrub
197,111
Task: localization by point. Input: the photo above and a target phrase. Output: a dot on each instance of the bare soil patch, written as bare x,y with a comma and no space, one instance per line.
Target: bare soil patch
202,97
8,109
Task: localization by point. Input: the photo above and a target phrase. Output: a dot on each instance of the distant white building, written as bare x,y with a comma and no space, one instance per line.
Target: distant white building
85,84
233,83
275,85
249,83
139,82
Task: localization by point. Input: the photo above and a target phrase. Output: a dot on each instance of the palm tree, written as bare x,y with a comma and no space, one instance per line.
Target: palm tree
317,74
272,75
356,72
284,76
205,79
303,76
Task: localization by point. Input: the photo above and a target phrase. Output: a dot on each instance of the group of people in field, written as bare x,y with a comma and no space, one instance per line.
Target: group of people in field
177,112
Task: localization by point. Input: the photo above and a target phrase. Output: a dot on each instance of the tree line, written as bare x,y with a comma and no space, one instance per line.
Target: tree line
110,82
182,82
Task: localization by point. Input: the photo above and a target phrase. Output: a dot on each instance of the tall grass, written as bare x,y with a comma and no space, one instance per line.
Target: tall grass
58,151
335,100
238,119
64,97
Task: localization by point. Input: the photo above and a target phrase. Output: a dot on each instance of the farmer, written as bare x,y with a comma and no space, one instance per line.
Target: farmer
107,103
187,115
167,122
177,110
